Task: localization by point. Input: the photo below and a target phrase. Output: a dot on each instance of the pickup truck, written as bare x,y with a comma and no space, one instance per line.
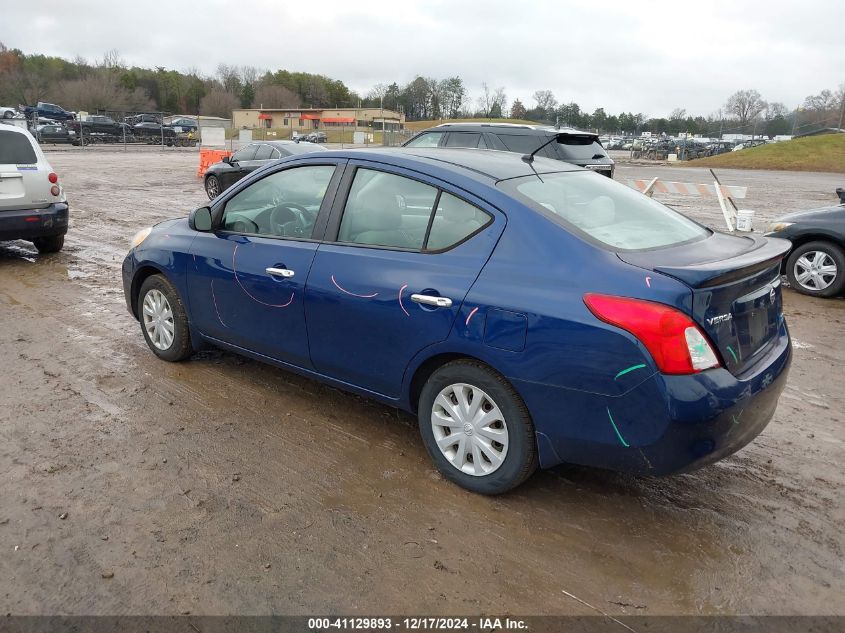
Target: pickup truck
98,124
48,111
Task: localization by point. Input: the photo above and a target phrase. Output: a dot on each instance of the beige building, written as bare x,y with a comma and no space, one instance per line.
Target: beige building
309,119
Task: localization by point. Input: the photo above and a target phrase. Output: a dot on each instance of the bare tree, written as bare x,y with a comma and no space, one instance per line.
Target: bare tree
274,96
219,103
377,92
746,105
230,78
101,90
545,101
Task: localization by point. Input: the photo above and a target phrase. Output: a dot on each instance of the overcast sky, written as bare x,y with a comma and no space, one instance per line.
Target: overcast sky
638,56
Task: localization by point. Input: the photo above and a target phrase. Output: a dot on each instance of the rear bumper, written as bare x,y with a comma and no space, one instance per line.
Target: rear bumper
28,224
668,424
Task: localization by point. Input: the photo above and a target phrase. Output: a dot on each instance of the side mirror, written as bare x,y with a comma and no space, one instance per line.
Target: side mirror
227,160
200,219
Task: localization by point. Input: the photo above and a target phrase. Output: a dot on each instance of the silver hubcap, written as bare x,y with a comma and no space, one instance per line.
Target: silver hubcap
212,187
815,270
469,429
158,319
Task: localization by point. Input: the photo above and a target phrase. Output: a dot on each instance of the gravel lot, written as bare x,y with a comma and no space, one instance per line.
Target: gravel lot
221,485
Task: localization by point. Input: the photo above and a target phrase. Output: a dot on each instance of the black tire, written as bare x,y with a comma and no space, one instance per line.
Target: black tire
212,187
51,244
180,347
833,252
520,460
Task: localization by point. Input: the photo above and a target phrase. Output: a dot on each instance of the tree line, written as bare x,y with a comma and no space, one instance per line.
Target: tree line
109,84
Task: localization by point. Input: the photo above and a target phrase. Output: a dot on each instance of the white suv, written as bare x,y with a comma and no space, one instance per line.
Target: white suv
33,205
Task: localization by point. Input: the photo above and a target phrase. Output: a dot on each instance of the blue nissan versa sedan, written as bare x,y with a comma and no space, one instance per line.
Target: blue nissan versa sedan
530,312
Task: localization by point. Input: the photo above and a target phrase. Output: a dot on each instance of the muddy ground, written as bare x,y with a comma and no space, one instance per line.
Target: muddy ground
220,485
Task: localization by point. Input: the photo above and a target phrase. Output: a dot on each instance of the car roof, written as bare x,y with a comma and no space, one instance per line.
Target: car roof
479,164
14,128
282,144
519,128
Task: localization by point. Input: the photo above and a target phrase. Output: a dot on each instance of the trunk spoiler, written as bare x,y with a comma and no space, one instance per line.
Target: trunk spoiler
762,253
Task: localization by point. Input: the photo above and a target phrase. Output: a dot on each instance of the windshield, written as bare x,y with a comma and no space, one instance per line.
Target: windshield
606,211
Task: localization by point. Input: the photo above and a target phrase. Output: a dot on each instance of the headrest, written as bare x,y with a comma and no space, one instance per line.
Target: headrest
379,210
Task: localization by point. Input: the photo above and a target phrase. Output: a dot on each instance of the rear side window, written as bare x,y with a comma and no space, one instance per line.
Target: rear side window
386,210
610,213
15,149
463,139
525,144
430,139
454,221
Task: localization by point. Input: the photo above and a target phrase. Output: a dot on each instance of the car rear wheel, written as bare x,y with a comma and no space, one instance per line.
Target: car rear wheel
212,187
476,428
52,244
817,269
164,322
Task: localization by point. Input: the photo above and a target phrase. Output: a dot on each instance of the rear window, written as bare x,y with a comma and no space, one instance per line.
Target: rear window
581,148
606,211
302,148
15,149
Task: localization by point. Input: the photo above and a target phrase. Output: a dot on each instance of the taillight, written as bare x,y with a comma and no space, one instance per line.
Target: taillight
54,178
54,190
676,343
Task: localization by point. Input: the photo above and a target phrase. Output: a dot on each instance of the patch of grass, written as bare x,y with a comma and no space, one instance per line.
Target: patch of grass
423,125
813,153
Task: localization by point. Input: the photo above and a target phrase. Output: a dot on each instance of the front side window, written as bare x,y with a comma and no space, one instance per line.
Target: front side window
430,139
283,204
245,153
617,216
386,210
263,152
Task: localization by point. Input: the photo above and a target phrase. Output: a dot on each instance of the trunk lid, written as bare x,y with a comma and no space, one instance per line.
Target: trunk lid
736,289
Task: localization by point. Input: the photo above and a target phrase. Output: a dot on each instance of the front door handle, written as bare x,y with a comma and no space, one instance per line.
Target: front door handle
429,300
279,272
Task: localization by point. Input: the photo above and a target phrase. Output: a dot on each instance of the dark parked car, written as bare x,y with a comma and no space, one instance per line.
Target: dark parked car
579,148
97,124
525,320
314,137
48,111
56,134
183,125
816,263
222,175
153,132
142,118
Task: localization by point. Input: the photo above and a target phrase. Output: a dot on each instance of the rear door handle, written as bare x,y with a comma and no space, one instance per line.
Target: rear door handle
429,300
279,272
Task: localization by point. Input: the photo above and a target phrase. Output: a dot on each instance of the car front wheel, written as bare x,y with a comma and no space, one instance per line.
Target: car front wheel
476,428
164,322
212,187
817,269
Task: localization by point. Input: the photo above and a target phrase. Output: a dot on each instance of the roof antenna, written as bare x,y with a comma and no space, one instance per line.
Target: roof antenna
529,158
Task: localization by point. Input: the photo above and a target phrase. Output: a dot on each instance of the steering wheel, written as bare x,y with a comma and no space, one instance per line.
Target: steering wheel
301,218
